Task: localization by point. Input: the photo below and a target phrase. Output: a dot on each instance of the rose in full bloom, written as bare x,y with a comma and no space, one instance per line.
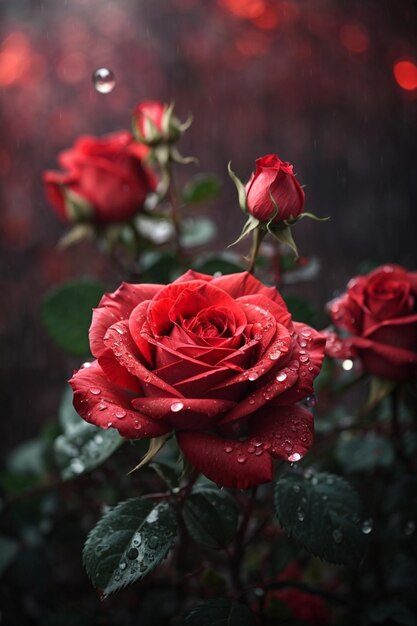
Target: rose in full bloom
154,122
273,191
217,361
379,311
105,180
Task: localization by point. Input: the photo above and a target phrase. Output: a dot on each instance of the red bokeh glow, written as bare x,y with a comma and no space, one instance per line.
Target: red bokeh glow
405,73
354,38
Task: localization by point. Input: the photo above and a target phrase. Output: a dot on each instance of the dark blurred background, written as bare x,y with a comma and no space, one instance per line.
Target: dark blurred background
330,86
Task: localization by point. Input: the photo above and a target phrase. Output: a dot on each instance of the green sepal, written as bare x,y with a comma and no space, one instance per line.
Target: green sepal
249,226
240,188
311,216
76,234
78,209
284,235
176,157
380,388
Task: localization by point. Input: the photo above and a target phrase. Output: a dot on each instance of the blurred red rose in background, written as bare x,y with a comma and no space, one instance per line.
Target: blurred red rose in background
105,180
217,360
273,191
379,311
154,122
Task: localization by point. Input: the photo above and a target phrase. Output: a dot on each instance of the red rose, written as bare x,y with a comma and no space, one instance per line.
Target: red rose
105,181
380,313
273,192
153,122
217,360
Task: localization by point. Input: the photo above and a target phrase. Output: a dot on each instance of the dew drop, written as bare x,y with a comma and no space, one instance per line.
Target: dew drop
241,458
294,457
102,406
77,466
253,376
132,554
306,332
367,526
337,535
137,425
259,451
311,401
104,80
120,413
122,565
228,449
95,391
304,358
281,377
251,449
120,330
275,355
176,406
300,515
86,365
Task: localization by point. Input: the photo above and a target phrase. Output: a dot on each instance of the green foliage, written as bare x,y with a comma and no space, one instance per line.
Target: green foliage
66,314
201,188
363,452
220,612
8,550
225,263
168,473
211,517
82,446
301,310
197,231
323,515
127,543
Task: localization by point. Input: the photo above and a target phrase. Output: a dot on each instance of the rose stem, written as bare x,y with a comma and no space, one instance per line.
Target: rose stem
172,196
258,235
237,552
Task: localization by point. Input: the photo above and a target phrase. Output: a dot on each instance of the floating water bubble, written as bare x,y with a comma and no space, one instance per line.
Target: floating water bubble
176,406
311,401
104,80
367,526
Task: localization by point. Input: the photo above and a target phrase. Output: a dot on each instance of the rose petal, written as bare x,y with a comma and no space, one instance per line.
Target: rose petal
285,431
187,413
386,361
226,462
100,402
114,307
244,284
118,340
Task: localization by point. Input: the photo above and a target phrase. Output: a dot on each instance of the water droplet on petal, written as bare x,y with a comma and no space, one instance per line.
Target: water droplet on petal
281,377
227,448
104,80
367,526
120,413
251,449
253,376
120,330
95,391
241,458
275,355
337,535
86,365
102,406
176,406
294,457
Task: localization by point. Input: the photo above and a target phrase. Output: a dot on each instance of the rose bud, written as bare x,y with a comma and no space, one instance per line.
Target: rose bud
379,313
154,123
273,192
105,180
216,361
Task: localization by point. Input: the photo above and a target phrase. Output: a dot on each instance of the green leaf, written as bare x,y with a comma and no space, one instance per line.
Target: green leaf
157,267
225,263
323,515
301,310
249,226
201,188
127,543
220,612
66,314
364,452
168,473
197,232
8,550
82,446
284,236
211,517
